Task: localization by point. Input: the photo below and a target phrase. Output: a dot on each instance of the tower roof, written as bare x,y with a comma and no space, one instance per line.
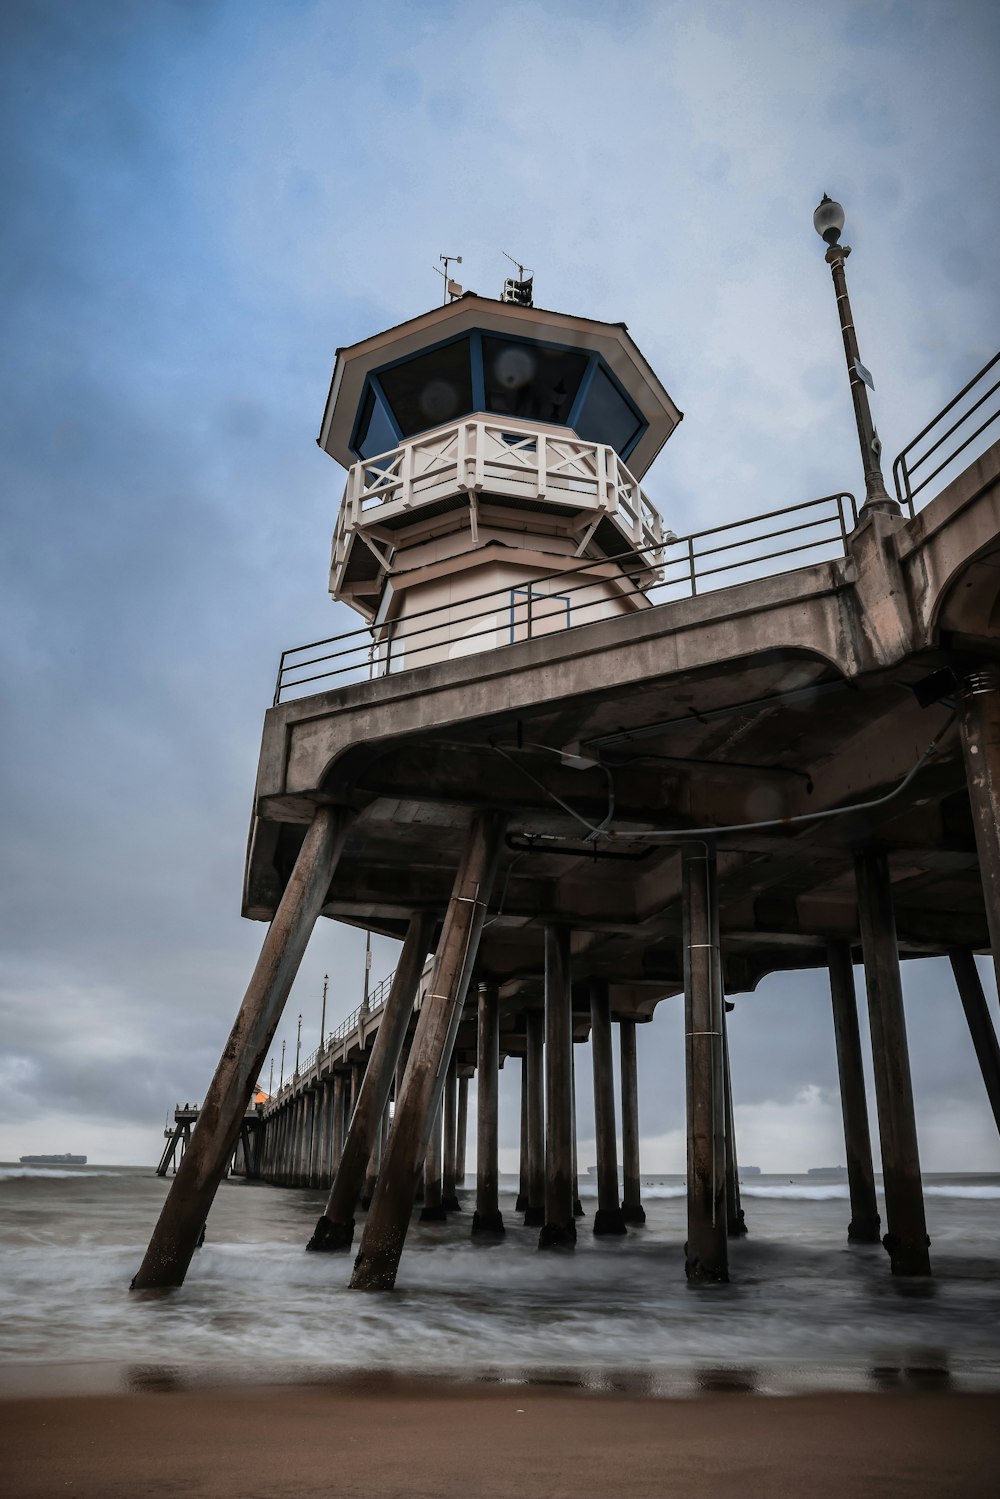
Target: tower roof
475,315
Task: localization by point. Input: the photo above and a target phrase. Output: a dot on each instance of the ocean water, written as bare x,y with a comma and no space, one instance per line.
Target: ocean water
802,1310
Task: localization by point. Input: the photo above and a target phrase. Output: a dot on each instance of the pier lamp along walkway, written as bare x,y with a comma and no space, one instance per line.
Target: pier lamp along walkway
585,802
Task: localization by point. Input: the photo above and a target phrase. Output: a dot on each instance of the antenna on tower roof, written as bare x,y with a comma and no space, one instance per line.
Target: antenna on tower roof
452,289
520,291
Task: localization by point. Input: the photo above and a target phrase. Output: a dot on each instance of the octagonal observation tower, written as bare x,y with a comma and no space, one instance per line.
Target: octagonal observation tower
494,453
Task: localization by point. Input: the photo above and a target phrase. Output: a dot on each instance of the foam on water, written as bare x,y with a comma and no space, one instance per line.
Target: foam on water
802,1309
15,1173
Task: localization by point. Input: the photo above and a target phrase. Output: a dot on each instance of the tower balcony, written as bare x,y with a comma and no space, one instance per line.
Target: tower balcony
488,475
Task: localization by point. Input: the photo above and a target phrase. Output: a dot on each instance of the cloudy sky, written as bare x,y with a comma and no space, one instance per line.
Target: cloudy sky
201,200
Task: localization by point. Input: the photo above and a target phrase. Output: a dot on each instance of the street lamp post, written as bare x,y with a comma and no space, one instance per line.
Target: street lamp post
298,1046
281,1080
828,221
322,1018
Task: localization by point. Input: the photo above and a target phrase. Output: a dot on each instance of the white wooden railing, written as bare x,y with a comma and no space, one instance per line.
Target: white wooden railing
503,458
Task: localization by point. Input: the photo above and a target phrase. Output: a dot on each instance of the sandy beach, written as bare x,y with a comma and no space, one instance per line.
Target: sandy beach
271,1442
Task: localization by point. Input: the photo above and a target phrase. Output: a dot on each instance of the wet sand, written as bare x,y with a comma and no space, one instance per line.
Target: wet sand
259,1442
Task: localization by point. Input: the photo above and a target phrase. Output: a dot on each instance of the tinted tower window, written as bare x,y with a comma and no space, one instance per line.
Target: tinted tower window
433,388
530,380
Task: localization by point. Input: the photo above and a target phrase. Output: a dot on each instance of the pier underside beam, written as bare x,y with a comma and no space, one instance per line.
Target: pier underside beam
559,1229
389,1215
608,1218
865,1224
487,1221
984,1037
906,1239
707,1249
193,1189
335,1229
632,1208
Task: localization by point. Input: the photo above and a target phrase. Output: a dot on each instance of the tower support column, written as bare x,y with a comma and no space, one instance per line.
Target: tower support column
388,1218
608,1219
632,1208
984,1037
193,1189
534,1212
559,1229
487,1221
707,1249
906,1239
865,1224
335,1229
450,1201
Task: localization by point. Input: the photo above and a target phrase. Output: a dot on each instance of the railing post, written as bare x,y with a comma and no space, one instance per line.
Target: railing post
406,476
541,464
478,456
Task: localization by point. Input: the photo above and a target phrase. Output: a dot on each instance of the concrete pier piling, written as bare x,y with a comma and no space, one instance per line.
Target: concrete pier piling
736,1223
906,1239
632,1208
707,1249
388,1217
335,1229
577,1204
865,1224
450,1200
193,1189
487,1221
984,1037
433,1208
534,1211
559,1229
979,716
371,1170
522,1155
461,1131
608,1219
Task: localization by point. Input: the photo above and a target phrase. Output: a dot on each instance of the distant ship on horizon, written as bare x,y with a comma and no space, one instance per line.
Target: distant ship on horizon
53,1160
826,1171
